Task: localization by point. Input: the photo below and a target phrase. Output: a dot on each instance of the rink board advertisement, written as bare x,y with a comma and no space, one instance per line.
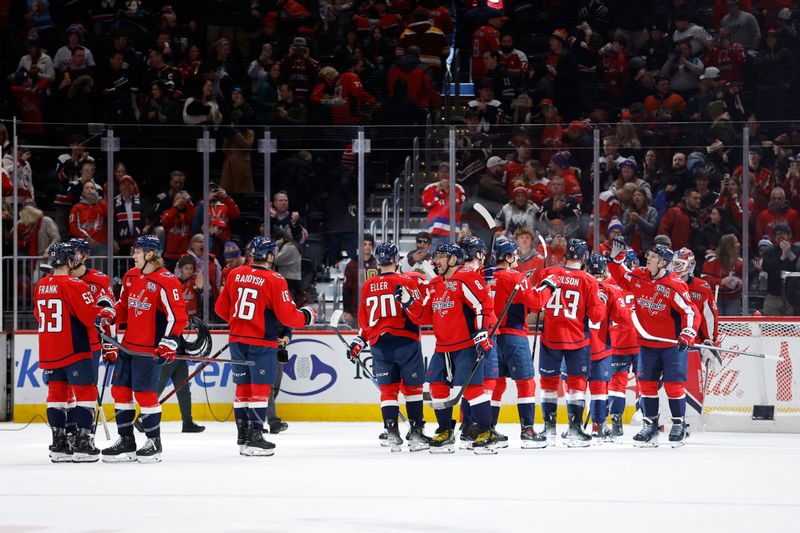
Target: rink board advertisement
319,382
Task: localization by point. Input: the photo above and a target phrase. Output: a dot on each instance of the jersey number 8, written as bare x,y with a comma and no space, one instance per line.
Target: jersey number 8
570,306
387,306
49,312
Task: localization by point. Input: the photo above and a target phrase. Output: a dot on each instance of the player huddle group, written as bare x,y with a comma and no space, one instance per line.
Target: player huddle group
478,314
591,338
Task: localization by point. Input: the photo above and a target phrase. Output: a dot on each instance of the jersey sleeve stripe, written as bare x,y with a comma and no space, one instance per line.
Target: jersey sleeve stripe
168,309
476,304
684,305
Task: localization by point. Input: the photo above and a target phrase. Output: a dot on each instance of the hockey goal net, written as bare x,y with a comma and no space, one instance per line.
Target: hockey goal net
740,384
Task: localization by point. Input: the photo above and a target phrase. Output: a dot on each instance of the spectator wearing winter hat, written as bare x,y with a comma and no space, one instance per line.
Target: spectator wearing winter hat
518,213
640,222
614,230
63,57
559,166
743,26
233,258
628,173
133,216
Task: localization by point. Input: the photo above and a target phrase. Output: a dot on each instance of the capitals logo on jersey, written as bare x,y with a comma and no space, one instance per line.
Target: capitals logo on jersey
653,305
139,303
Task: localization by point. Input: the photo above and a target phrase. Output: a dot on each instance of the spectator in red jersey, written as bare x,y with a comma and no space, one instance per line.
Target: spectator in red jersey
615,65
436,199
191,284
727,56
177,223
221,206
418,81
762,180
724,270
536,182
350,89
778,212
682,222
433,45
515,165
515,61
559,166
88,218
485,38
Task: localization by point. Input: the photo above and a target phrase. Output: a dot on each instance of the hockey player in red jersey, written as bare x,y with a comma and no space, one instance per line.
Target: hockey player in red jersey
571,318
393,338
456,307
152,306
625,342
65,310
663,307
683,264
514,352
253,301
610,339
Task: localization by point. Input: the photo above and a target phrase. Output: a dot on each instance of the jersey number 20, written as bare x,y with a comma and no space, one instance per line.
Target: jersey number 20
570,306
387,306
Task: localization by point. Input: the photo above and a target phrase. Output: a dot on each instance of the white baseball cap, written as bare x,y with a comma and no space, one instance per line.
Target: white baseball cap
494,161
711,73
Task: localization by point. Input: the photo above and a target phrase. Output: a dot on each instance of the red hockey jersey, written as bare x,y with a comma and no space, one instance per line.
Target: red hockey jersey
65,310
574,311
152,306
611,338
255,302
379,313
526,300
456,307
708,315
100,285
663,306
624,338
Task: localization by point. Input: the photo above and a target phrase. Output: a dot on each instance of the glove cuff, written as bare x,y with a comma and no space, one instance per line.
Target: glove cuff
167,342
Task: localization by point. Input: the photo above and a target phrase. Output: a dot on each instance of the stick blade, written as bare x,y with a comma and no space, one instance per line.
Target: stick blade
484,213
335,317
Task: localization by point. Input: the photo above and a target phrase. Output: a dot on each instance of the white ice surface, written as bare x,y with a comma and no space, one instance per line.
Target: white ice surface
334,477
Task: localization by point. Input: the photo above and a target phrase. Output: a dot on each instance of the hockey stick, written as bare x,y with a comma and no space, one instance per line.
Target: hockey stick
539,313
334,323
647,336
186,381
109,340
100,412
446,404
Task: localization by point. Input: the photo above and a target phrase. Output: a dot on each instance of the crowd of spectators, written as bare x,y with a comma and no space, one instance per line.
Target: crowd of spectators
668,84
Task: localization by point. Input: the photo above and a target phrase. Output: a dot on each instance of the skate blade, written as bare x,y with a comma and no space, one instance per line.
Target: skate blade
485,450
85,458
677,444
397,448
502,444
597,441
58,457
442,449
652,443
418,447
465,445
121,458
614,440
533,445
258,452
148,459
578,443
385,444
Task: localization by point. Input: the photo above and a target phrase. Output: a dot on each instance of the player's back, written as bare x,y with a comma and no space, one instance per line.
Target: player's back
64,308
706,306
567,313
505,281
380,314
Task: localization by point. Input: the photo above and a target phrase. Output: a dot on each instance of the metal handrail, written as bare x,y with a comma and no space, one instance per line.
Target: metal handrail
457,76
406,191
373,227
384,220
428,137
396,209
415,160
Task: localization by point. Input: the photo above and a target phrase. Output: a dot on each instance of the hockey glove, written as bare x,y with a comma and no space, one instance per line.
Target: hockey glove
166,350
618,248
686,339
482,341
109,353
710,355
404,296
106,316
355,348
549,281
311,314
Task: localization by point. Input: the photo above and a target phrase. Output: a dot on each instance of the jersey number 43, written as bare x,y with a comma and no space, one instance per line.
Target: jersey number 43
569,307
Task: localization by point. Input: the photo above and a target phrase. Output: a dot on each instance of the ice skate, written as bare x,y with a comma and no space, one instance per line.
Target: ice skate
395,442
486,443
242,429
150,452
615,434
648,435
85,451
678,433
60,450
416,438
637,418
502,440
444,441
576,437
467,436
550,430
255,445
122,451
532,440
599,434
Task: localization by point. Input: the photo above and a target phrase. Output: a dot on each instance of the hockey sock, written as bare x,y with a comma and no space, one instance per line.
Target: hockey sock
389,412
648,401
57,396
150,412
677,398
575,408
495,414
526,401
616,404
414,410
549,386
480,405
241,400
444,418
616,393
259,398
56,416
413,396
466,412
71,425
599,404
124,409
389,404
83,412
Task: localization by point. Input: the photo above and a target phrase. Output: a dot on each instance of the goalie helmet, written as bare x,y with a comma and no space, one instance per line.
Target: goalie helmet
148,243
597,264
450,248
261,247
61,253
683,261
504,247
472,246
386,253
577,249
